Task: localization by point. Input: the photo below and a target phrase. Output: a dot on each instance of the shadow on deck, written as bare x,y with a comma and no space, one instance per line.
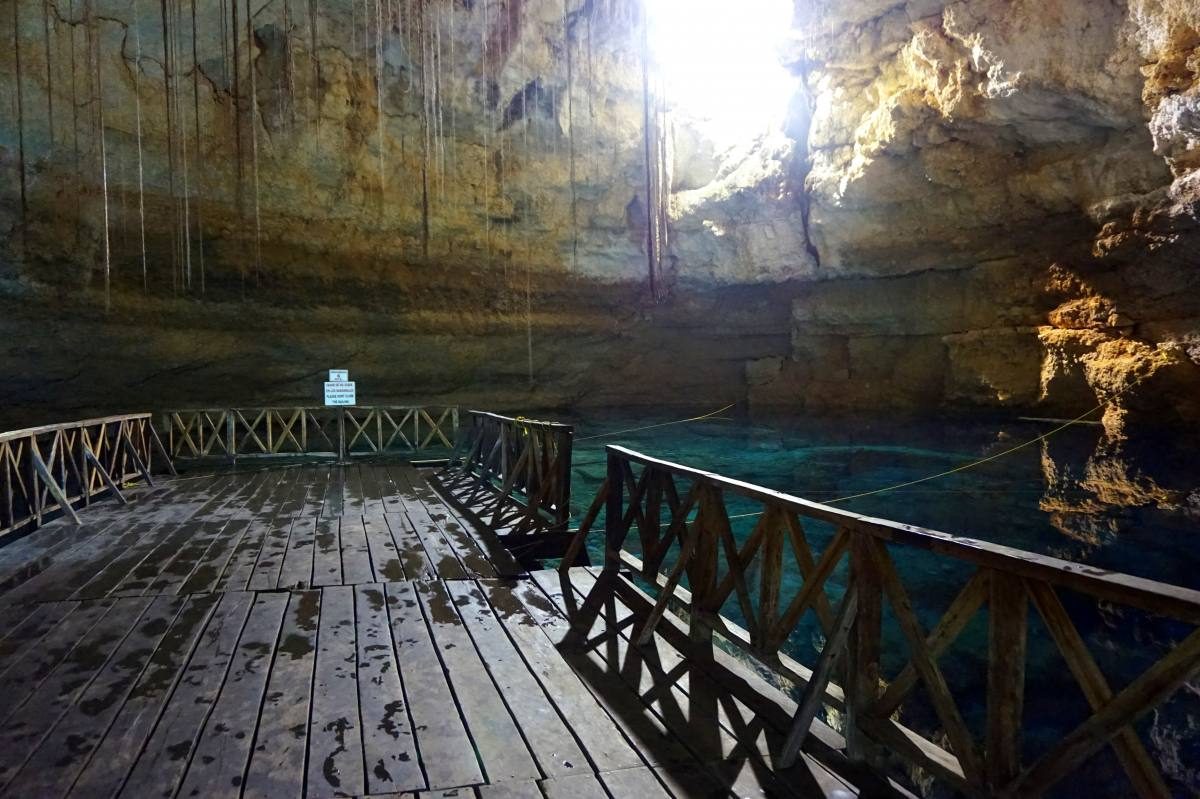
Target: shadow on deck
313,631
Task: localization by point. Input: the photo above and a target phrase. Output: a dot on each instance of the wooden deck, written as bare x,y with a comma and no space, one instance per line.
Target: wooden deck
339,631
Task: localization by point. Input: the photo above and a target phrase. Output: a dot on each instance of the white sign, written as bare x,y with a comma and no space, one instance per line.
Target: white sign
340,392
339,375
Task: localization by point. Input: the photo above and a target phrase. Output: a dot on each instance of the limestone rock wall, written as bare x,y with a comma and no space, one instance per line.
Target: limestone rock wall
978,203
1004,204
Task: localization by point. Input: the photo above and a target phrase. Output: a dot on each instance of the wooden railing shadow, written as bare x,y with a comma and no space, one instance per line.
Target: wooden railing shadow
677,517
513,476
727,718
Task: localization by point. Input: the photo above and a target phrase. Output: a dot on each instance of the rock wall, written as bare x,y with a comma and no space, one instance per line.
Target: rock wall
982,203
1004,203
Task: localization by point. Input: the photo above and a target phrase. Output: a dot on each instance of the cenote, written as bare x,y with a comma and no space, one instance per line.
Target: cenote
1070,495
264,264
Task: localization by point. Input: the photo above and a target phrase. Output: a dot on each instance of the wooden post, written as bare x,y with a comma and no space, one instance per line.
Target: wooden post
104,475
39,467
341,419
566,446
137,460
231,436
863,681
162,451
614,511
814,692
1007,622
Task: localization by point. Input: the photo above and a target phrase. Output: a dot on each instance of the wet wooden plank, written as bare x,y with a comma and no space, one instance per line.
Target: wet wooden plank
549,738
53,767
265,575
483,541
327,560
27,624
165,568
389,490
386,565
176,573
19,564
277,760
220,758
497,738
335,494
263,524
447,752
24,729
576,786
355,499
372,490
390,749
169,540
119,565
356,557
639,782
601,738
161,764
212,564
511,790
297,568
413,557
114,757
314,500
335,747
33,663
445,559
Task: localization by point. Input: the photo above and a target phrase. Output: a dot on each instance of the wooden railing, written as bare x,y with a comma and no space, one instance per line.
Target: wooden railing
58,468
678,517
513,474
232,433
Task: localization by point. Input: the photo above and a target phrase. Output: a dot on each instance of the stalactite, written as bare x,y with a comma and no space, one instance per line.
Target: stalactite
99,100
177,27
489,124
528,210
16,17
379,98
235,93
440,134
570,52
166,32
137,104
199,150
453,105
250,67
75,133
315,91
49,69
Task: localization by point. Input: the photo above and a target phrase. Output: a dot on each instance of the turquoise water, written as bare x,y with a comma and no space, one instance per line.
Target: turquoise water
1135,511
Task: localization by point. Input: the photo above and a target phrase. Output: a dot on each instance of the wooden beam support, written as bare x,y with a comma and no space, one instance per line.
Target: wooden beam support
814,692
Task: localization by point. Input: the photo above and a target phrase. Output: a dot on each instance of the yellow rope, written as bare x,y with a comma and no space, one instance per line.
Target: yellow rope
955,470
654,426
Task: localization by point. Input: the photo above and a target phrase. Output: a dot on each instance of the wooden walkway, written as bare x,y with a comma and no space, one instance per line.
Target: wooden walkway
338,631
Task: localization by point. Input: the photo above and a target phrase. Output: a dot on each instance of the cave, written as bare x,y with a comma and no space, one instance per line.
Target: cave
846,352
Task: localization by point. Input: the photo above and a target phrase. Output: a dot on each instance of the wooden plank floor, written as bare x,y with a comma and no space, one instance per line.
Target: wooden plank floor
318,631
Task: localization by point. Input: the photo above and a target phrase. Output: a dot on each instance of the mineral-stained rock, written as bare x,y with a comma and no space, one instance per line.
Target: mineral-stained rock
979,203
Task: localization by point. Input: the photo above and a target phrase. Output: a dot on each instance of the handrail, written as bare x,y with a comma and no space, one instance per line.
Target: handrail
513,473
56,468
232,433
679,510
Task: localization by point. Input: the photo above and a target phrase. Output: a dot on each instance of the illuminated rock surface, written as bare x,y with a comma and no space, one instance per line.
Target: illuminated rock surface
991,203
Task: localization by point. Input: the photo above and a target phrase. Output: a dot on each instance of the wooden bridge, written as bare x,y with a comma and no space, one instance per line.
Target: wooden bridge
354,628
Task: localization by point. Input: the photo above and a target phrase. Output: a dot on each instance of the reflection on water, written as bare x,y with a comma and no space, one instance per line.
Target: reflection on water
1074,496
